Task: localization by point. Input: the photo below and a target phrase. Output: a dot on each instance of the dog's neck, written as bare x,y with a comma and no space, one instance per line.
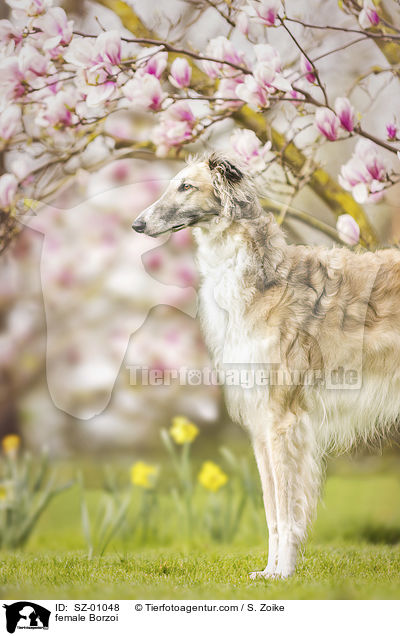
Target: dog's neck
255,247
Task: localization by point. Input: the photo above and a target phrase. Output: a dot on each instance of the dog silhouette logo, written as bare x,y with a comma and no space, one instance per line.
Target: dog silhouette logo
26,615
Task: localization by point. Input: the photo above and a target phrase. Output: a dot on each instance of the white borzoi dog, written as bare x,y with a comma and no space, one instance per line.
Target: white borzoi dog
320,328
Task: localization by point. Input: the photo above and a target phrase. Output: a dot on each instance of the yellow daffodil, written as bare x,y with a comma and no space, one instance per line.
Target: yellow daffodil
183,431
143,474
11,444
7,489
212,477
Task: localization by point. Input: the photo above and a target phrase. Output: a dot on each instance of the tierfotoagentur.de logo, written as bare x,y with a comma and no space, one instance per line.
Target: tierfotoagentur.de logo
26,615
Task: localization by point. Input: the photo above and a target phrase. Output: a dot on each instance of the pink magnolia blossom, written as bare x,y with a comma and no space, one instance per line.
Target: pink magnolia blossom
56,26
211,69
99,61
252,93
353,172
391,131
307,70
10,121
249,148
264,73
227,92
176,127
368,16
8,190
248,23
145,92
181,73
19,73
345,111
365,173
156,65
11,79
266,10
348,229
92,76
369,193
10,36
295,96
108,47
327,123
267,77
181,111
31,7
170,133
98,58
82,53
100,93
361,193
270,55
32,63
59,109
222,49
368,152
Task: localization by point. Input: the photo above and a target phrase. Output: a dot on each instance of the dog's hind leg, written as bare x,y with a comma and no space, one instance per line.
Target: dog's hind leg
268,489
296,472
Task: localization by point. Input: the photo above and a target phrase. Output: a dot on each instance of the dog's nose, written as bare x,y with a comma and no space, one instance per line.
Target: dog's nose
139,226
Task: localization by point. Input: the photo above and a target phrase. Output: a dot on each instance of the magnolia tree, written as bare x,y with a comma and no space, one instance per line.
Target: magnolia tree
305,94
61,88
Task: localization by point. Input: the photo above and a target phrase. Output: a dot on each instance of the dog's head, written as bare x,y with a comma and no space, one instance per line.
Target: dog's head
200,194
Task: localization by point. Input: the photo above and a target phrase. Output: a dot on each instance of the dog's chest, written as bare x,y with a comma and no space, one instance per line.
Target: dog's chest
222,299
226,296
222,316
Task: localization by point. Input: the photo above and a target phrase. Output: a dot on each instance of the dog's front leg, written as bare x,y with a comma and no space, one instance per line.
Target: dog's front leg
268,489
296,472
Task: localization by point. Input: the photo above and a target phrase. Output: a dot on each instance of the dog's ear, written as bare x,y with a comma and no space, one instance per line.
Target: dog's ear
225,168
227,180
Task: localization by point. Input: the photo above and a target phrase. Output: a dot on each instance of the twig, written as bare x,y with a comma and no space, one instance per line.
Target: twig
329,27
310,220
174,49
307,58
339,48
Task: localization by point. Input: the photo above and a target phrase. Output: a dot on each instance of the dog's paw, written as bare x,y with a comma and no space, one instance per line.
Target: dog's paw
262,574
283,574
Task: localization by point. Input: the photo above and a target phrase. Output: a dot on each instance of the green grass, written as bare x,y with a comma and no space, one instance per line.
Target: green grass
350,572
353,553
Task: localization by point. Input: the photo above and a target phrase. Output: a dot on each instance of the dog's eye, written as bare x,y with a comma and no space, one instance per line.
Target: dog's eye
185,186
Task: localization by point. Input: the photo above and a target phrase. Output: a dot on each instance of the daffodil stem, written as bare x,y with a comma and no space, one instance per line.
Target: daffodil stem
187,486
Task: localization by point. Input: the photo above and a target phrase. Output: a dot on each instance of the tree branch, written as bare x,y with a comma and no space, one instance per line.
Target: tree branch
277,208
